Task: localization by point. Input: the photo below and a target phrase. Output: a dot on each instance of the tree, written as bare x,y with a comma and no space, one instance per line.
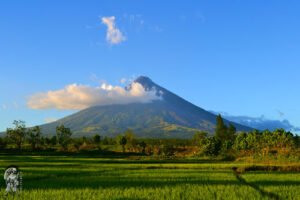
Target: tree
199,138
17,134
226,146
221,129
63,135
34,137
297,141
240,142
123,142
143,145
53,140
3,143
96,140
77,143
230,133
212,146
130,138
105,141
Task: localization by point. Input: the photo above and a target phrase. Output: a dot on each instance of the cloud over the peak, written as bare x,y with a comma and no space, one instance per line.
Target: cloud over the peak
49,120
113,35
78,97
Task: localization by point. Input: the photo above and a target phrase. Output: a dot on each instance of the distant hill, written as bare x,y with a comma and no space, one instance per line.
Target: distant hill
170,117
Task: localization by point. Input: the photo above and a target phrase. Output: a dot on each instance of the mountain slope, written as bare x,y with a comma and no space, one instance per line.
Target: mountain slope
172,116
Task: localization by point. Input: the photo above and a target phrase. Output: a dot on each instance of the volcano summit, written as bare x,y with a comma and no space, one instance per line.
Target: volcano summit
167,116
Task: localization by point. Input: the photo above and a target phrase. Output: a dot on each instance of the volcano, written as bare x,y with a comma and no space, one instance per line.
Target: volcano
168,117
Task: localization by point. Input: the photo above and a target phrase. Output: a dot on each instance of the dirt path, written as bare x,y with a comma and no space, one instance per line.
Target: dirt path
260,190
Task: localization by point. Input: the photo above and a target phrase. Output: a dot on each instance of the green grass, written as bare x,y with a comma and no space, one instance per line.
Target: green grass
284,184
67,178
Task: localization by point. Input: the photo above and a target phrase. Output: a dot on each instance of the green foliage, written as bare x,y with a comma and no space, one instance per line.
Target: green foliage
199,138
34,137
223,132
17,134
3,143
221,129
143,145
262,143
241,142
97,139
53,140
122,140
130,138
231,130
212,146
63,135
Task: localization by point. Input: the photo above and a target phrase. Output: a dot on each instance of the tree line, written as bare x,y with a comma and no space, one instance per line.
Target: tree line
225,142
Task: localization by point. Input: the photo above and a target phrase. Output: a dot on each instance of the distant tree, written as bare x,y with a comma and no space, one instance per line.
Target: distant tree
85,140
53,140
3,143
123,142
226,146
297,141
240,142
143,145
105,141
17,134
130,138
48,140
77,143
212,146
230,133
34,135
42,141
221,129
63,135
96,140
199,138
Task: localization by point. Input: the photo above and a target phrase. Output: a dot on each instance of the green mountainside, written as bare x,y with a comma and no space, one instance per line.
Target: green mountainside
169,117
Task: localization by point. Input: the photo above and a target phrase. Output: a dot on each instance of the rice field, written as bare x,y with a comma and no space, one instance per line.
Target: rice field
68,178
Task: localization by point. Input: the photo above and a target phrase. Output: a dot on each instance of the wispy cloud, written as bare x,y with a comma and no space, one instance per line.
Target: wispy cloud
77,97
49,120
113,35
95,79
4,106
260,123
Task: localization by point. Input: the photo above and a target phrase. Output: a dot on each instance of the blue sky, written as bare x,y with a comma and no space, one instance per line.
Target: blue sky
239,57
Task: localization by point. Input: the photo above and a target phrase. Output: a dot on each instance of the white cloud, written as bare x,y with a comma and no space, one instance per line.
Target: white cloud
4,106
77,97
49,120
113,35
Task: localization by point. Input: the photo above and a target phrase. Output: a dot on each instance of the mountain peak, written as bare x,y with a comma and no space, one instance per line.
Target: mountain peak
146,82
171,116
143,79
